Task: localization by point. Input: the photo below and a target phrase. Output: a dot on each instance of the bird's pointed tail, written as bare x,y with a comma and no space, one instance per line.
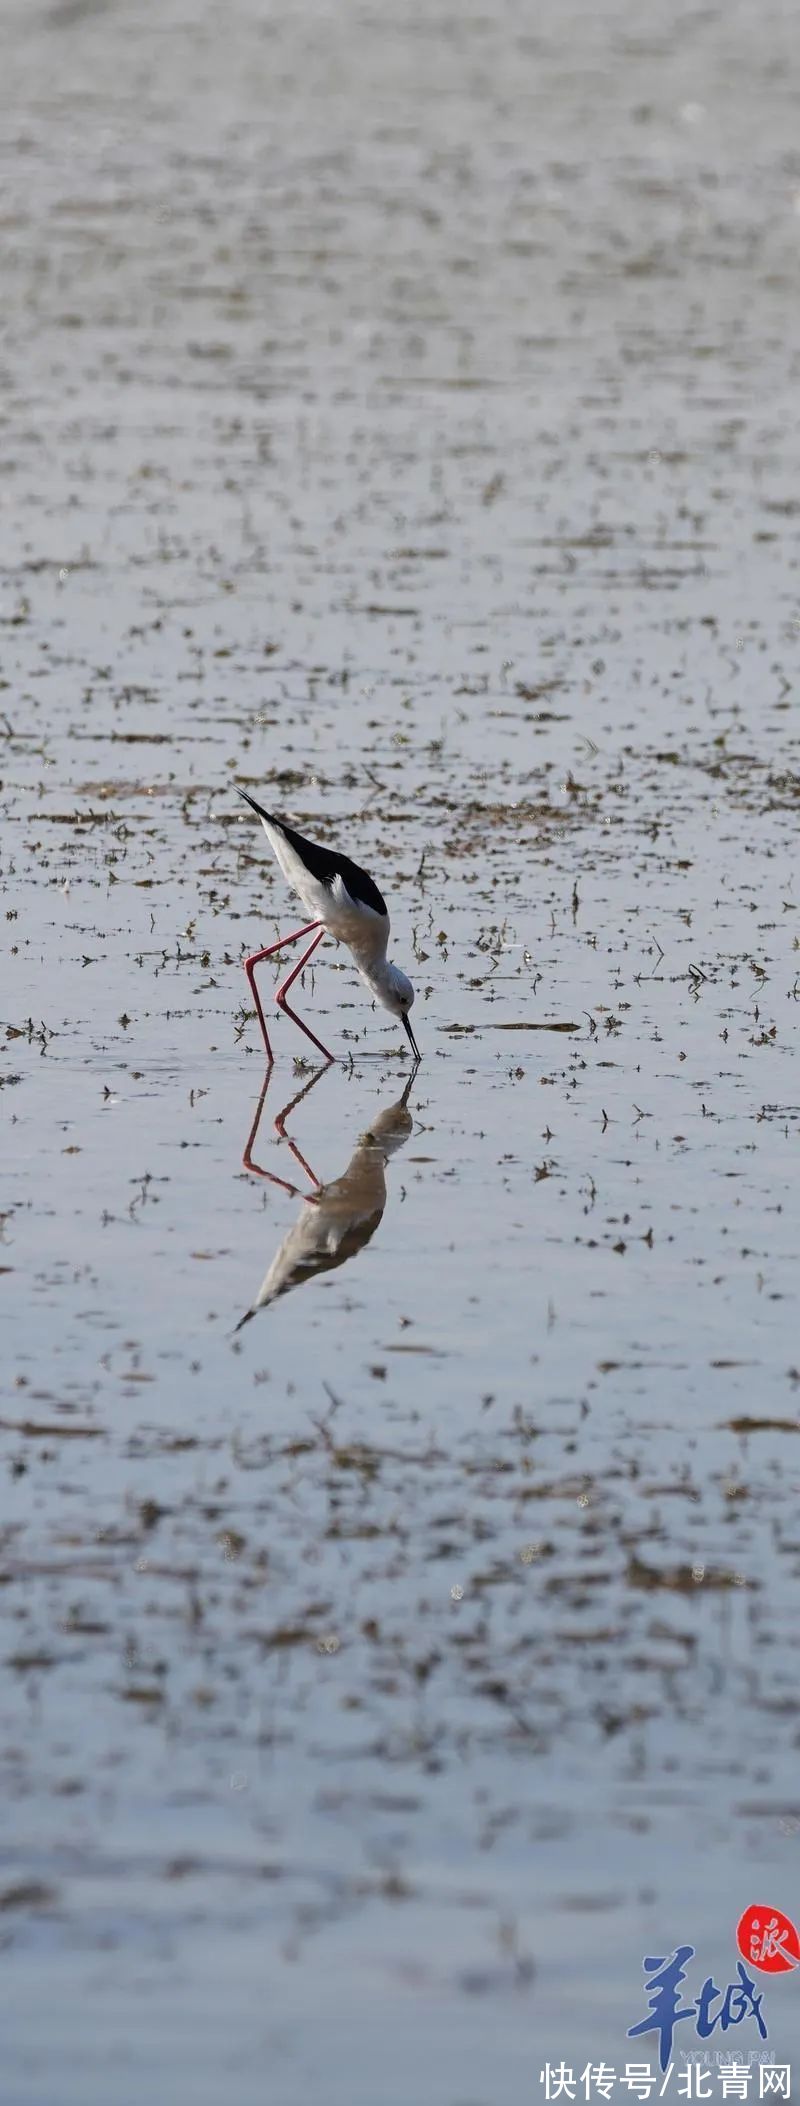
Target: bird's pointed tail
257,808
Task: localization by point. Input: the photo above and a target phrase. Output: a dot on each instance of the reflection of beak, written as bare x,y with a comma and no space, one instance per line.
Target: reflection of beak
410,1036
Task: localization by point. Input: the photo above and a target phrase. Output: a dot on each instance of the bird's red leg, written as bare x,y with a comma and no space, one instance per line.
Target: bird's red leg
257,959
283,990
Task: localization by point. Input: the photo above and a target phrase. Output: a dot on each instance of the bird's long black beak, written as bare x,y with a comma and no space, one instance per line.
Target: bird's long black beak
410,1036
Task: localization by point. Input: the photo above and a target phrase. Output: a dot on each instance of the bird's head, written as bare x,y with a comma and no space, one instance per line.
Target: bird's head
399,997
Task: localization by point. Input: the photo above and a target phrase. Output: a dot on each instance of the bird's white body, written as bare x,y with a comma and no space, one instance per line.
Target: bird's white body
365,932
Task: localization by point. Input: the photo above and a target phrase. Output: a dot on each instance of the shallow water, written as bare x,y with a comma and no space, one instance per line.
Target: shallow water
398,413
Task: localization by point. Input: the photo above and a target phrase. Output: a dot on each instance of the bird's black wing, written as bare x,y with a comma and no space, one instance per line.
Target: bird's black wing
324,864
360,885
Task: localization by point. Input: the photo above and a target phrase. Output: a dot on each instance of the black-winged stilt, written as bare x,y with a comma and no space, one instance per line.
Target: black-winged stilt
345,901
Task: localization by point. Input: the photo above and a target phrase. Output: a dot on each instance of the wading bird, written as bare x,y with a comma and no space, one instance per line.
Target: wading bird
344,900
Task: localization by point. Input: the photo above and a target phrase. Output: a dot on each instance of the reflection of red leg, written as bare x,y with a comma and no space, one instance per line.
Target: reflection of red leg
270,1175
280,1129
257,958
284,989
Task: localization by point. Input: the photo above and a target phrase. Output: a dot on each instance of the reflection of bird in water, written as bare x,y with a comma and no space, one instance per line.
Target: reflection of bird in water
337,1220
